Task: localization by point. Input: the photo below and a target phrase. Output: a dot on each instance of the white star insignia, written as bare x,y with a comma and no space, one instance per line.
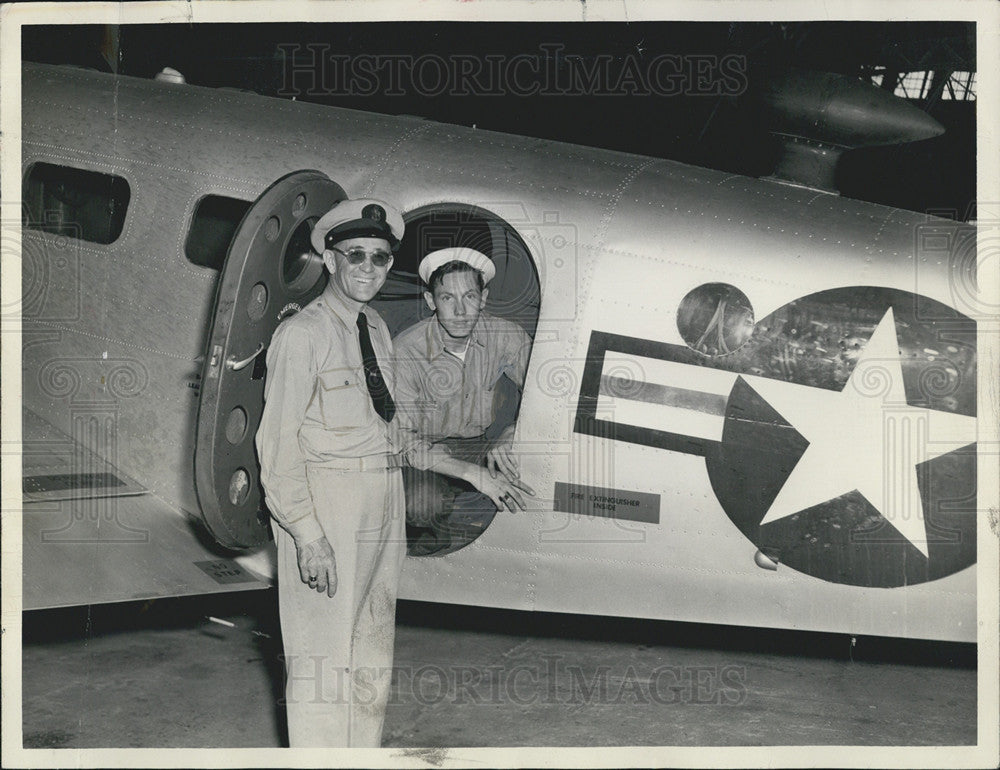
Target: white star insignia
865,438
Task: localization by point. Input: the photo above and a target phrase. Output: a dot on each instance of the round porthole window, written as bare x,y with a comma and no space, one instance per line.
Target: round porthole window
715,319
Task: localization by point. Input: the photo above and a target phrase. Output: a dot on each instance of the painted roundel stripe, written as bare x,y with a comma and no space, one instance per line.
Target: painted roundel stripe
840,439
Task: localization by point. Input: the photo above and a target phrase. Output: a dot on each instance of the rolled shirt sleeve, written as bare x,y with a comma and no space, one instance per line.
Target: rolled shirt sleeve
288,391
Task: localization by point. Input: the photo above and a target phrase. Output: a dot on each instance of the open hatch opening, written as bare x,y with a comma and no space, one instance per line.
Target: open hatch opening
514,294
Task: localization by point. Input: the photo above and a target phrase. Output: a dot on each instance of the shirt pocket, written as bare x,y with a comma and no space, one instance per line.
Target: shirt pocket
443,379
343,399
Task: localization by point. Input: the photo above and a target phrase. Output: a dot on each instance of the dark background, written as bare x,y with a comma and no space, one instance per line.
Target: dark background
725,131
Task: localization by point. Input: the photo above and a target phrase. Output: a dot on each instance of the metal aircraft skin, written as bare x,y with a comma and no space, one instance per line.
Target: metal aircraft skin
748,402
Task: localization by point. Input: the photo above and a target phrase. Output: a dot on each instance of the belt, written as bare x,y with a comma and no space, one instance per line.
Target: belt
383,462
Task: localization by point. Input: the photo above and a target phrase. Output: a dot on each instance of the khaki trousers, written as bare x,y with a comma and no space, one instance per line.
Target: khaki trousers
338,651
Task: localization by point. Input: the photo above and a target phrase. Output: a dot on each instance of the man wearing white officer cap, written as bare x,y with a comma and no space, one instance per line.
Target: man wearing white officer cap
458,377
355,219
330,445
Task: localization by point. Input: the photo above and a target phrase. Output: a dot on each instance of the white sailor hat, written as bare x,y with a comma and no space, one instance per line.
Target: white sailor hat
361,218
435,259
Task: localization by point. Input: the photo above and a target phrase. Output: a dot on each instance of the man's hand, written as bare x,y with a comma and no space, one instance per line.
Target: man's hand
318,565
504,493
500,458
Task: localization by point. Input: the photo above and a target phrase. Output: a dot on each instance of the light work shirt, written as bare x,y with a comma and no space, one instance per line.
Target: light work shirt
317,408
445,396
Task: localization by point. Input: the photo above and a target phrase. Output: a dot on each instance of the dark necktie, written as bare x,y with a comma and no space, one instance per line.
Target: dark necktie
377,389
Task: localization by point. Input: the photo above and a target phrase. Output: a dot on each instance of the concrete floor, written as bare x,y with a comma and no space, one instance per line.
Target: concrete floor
160,674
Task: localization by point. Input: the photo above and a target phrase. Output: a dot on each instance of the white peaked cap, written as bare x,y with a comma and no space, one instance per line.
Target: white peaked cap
359,218
476,259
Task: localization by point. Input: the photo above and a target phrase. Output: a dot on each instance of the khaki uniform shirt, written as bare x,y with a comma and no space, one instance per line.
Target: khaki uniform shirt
445,396
317,408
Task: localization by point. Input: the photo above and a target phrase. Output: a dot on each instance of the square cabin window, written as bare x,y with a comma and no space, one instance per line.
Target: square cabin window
213,226
83,204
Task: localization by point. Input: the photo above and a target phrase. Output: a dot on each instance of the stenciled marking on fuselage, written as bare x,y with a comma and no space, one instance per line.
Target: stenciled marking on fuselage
607,502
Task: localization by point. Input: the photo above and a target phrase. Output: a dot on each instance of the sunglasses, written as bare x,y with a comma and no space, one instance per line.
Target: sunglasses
379,258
